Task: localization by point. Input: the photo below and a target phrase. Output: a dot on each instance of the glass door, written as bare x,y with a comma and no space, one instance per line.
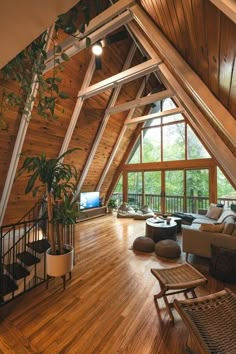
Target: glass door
135,189
152,190
197,190
173,191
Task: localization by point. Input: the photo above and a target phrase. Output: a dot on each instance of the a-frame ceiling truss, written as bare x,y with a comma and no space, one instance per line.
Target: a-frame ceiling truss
131,15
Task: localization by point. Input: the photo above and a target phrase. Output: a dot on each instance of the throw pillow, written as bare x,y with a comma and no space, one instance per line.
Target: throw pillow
212,227
226,213
228,228
233,207
145,209
214,212
123,207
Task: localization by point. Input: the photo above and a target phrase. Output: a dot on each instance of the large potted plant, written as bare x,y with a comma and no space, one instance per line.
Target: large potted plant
57,181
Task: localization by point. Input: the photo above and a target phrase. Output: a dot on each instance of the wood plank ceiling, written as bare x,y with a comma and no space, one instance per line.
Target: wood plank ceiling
207,46
205,37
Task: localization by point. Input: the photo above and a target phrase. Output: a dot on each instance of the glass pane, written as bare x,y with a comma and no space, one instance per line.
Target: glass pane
135,154
117,194
225,191
152,187
197,189
174,142
173,118
152,145
174,191
168,103
135,189
195,149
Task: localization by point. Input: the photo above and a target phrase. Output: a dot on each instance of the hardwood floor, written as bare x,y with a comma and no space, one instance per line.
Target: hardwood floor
108,304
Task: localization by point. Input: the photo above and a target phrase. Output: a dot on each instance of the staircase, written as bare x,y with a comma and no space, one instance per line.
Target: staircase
23,253
23,247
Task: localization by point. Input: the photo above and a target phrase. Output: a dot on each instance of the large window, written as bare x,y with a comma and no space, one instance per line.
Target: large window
195,149
174,142
152,145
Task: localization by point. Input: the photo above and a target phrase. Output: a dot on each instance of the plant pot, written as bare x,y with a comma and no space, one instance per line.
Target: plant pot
60,264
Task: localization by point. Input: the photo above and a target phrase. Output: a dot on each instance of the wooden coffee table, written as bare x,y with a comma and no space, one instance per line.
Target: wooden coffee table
158,229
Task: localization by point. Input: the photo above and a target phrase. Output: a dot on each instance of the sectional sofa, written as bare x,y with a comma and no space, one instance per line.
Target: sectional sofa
204,231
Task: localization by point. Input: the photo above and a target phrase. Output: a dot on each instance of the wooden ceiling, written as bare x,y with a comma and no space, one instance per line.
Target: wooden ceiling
103,138
205,37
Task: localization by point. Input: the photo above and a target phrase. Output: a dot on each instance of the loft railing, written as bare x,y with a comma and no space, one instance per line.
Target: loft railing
173,203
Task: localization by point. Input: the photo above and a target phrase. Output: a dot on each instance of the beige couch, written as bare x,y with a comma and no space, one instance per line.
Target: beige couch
197,239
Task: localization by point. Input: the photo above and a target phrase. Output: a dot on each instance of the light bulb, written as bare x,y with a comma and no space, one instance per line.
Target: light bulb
97,48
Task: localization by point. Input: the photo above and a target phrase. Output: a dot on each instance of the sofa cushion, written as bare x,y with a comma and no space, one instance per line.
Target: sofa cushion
214,212
212,227
234,231
204,220
226,214
228,228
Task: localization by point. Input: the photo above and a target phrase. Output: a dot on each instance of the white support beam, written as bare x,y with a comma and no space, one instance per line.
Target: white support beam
228,7
25,121
138,102
121,78
103,124
167,113
117,144
195,87
78,106
72,46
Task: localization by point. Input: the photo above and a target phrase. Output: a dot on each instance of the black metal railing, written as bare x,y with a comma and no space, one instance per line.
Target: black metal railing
173,203
19,238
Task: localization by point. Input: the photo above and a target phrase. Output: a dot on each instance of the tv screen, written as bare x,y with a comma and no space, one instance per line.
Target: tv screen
89,200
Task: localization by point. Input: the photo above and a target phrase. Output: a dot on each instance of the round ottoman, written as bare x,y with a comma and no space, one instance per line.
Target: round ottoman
143,244
168,249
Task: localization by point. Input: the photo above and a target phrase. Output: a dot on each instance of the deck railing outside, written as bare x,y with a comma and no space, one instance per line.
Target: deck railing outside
173,203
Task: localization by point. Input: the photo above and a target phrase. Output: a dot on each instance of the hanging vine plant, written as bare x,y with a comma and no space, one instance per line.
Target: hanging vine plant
28,69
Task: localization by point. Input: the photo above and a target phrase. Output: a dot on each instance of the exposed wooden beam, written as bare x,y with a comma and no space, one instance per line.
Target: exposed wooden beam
25,121
117,144
199,92
121,78
143,101
170,165
228,7
78,106
103,124
72,46
169,112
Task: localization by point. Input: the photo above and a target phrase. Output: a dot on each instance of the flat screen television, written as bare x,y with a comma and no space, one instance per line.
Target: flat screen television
89,200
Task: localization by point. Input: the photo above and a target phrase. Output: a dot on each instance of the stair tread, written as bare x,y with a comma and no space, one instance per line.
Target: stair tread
39,246
27,258
17,271
7,285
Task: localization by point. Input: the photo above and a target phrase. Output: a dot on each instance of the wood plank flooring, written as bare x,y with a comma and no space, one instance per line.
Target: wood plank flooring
108,304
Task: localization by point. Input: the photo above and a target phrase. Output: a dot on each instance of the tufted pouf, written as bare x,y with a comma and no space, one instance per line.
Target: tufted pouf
168,249
144,244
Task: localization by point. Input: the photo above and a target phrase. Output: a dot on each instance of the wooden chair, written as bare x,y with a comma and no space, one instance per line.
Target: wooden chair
182,278
211,321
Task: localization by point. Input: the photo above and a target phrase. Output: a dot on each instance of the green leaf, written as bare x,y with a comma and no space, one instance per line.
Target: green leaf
65,57
63,95
88,42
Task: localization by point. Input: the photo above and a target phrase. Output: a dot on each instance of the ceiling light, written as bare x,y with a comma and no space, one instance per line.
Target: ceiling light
97,48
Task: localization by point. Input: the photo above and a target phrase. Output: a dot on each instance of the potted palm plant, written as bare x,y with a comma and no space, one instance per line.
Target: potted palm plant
57,181
111,205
